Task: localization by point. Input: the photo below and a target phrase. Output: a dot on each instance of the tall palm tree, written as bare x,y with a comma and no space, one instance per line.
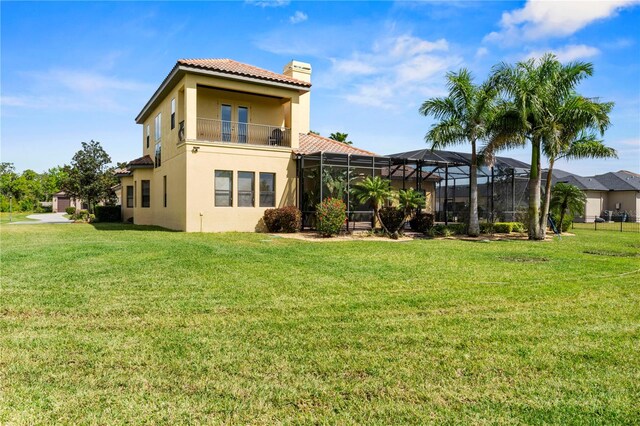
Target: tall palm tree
534,90
376,191
567,199
463,117
570,135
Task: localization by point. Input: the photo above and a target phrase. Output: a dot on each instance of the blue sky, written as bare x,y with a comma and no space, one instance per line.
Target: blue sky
72,72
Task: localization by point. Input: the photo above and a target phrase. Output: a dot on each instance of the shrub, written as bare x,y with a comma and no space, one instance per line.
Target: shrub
519,227
330,214
70,211
486,228
441,230
283,219
108,214
81,215
457,228
421,222
503,227
392,218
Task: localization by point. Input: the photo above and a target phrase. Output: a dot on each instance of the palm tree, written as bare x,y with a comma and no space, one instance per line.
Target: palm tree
376,191
340,137
409,200
463,117
534,89
567,198
570,135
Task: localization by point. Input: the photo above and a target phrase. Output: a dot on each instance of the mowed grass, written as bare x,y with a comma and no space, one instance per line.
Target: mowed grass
15,217
117,324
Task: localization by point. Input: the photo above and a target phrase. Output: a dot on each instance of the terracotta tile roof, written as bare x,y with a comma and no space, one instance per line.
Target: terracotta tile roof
310,144
141,162
230,66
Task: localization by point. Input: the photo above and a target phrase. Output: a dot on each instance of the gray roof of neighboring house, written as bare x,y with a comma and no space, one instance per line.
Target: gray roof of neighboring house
620,181
613,181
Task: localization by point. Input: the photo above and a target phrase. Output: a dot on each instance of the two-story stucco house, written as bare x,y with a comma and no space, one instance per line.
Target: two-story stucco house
223,141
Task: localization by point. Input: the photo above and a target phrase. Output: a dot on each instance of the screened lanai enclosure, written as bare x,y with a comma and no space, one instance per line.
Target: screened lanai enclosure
442,176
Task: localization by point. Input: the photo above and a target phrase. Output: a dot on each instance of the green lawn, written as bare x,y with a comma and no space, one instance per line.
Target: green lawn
128,325
15,217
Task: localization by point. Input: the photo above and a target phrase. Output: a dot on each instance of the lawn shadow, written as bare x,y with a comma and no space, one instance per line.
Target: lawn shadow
117,226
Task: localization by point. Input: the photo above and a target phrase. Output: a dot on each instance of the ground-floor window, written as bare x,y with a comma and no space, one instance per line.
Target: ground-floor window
246,191
267,189
129,196
146,193
223,188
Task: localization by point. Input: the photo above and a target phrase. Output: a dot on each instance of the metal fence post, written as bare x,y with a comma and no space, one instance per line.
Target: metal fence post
621,226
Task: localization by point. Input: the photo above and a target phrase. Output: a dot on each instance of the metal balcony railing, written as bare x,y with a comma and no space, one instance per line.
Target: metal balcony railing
243,133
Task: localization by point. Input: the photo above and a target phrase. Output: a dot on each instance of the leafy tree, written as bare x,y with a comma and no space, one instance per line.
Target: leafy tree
51,181
313,132
341,137
10,185
567,198
534,91
89,178
464,116
376,191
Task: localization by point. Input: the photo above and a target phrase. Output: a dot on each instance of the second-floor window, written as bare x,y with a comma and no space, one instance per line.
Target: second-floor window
146,193
129,196
148,135
158,154
158,126
173,113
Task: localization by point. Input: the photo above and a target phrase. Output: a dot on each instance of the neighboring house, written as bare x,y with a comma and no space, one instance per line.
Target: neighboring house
222,142
61,201
615,192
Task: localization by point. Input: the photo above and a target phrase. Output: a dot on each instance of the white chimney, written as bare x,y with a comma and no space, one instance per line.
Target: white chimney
298,70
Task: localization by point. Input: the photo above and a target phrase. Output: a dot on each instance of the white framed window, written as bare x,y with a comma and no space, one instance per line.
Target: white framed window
223,187
148,134
173,113
246,189
158,126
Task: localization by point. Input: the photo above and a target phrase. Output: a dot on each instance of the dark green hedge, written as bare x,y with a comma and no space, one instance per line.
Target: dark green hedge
108,214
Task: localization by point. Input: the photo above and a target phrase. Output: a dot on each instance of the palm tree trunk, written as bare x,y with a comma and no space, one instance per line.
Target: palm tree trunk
474,226
564,209
376,212
534,191
547,198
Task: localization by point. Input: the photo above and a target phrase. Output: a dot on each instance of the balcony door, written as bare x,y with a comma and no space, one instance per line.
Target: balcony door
234,127
243,119
225,122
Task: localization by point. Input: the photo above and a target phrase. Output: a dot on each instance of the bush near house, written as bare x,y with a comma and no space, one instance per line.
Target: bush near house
108,214
392,218
421,222
566,222
501,227
70,211
330,214
283,219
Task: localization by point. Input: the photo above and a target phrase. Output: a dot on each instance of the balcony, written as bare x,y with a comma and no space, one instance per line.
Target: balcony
243,133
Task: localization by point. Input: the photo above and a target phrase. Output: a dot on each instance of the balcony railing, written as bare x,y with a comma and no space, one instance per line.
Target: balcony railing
242,133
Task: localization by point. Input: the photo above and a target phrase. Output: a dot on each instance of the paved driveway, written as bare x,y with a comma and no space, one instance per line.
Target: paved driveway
44,218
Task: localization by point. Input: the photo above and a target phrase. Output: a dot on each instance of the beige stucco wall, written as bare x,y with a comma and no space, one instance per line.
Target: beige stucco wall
203,215
595,204
629,201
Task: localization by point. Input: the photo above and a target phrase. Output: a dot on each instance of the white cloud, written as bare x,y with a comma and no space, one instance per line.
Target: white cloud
481,52
541,19
268,3
398,71
298,17
75,89
568,53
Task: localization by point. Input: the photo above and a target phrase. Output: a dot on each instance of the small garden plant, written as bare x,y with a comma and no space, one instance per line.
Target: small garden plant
331,215
283,219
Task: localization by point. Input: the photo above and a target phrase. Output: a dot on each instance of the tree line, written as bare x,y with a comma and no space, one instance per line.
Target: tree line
531,103
89,178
